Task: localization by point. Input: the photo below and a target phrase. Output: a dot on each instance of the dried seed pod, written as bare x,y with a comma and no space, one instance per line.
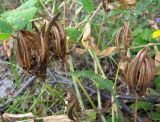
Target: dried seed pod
35,49
57,42
124,34
140,72
32,52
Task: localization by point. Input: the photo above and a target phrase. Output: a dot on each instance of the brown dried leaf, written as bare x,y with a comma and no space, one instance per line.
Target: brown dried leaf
8,47
107,51
87,32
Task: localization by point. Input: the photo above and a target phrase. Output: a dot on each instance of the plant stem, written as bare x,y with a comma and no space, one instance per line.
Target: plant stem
75,84
89,20
87,95
96,67
148,45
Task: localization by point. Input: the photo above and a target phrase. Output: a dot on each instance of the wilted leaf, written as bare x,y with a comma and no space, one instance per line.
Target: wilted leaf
88,5
87,32
107,51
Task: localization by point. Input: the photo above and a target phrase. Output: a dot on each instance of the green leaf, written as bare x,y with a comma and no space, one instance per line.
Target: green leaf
137,31
100,82
155,115
27,4
142,105
92,116
147,34
88,5
5,27
4,36
73,33
20,18
157,83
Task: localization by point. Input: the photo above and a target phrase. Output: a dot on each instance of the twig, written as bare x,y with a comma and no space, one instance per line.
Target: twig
152,99
63,80
25,86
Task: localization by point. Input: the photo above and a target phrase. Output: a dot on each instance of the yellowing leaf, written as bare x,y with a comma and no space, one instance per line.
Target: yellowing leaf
108,51
156,34
87,32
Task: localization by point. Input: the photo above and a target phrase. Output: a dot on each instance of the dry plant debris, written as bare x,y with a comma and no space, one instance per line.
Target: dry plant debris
34,49
89,43
140,72
128,2
124,34
73,107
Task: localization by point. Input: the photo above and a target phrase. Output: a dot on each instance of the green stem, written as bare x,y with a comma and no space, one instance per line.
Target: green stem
75,83
87,95
96,67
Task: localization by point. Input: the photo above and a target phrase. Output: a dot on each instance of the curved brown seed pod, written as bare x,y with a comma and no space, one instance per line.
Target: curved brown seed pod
26,54
141,78
140,56
60,30
26,58
43,49
148,73
153,67
132,74
57,41
62,39
47,32
130,34
19,53
125,35
117,38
